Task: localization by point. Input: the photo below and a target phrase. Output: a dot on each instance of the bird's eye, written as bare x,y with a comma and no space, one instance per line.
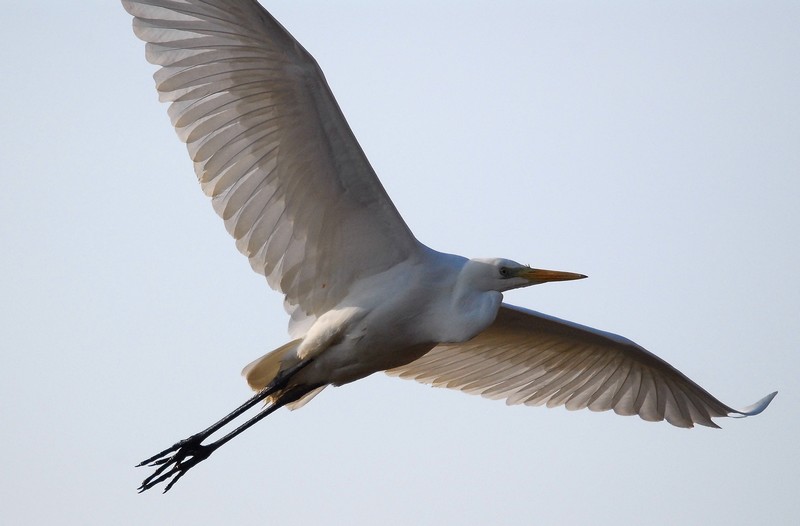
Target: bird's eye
504,272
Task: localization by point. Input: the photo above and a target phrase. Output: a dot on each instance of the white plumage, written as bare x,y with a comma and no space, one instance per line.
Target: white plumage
272,149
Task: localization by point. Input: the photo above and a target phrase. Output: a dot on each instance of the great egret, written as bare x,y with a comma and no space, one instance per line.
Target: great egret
273,151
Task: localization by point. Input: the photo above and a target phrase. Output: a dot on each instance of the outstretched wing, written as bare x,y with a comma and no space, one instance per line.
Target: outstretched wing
271,148
530,358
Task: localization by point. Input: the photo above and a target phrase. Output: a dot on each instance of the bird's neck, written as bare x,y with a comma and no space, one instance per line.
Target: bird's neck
470,313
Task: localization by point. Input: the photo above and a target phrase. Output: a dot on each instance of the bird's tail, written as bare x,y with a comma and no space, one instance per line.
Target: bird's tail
261,372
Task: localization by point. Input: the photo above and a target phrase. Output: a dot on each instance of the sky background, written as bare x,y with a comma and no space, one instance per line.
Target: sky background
654,146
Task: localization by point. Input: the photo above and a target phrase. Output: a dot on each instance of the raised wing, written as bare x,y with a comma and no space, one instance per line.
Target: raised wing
530,358
271,148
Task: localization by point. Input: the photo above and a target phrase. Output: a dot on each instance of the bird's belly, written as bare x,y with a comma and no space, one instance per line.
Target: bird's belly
340,367
344,363
367,345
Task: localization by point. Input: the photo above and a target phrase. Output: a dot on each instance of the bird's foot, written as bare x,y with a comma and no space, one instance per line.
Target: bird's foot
187,454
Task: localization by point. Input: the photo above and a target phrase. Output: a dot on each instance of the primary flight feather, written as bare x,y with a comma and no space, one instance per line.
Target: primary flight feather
272,149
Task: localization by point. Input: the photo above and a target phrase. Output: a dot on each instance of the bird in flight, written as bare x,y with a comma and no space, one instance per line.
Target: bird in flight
273,151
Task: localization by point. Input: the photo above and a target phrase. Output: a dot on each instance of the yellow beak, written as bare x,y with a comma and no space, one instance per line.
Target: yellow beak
537,275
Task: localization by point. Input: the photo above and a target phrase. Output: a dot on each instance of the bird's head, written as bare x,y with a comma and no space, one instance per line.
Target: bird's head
504,274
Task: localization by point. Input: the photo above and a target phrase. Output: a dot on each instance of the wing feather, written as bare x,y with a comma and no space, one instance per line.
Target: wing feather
529,358
271,148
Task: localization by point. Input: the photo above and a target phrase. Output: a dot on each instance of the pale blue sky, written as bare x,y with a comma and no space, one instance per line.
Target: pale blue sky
654,146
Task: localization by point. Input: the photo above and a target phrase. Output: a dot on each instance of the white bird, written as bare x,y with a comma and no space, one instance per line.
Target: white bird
272,149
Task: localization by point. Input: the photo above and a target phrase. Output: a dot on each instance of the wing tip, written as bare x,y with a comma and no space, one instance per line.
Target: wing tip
754,409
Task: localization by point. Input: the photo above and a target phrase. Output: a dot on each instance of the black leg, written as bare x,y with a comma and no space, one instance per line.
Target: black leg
190,451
